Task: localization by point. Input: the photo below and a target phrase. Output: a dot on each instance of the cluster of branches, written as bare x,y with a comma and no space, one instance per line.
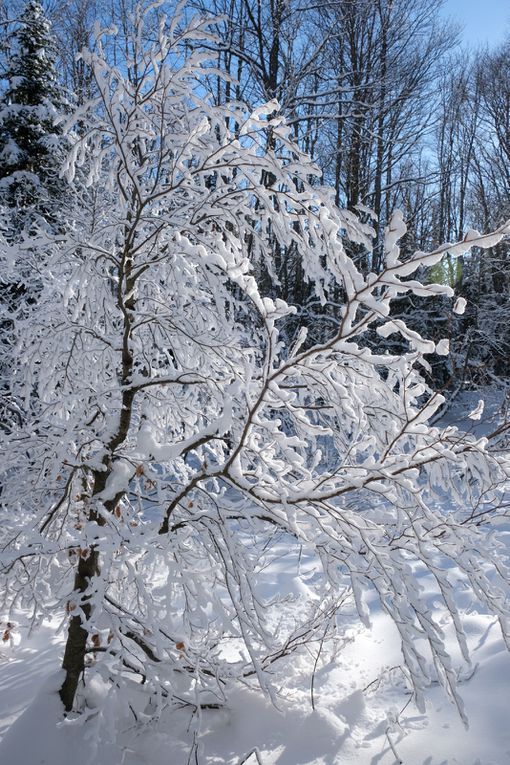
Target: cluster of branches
377,95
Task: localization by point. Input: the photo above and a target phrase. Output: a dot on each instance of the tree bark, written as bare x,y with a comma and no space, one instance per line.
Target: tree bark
74,656
89,562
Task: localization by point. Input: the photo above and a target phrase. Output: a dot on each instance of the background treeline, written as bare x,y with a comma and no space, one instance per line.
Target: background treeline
378,92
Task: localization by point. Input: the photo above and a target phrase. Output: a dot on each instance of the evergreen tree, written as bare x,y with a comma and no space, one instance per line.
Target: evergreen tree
31,153
30,139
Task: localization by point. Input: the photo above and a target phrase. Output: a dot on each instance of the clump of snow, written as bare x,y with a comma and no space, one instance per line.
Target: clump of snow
476,413
460,306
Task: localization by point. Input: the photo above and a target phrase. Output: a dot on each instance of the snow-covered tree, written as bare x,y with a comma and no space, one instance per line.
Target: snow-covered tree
31,144
172,444
32,148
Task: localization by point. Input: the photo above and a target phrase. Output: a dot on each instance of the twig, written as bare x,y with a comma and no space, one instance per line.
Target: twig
392,747
246,757
379,678
312,681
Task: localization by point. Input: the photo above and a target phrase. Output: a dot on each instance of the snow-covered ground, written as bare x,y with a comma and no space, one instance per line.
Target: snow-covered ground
362,710
364,713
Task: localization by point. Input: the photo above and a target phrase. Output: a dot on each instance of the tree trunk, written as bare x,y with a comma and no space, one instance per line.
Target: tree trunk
89,563
74,656
88,568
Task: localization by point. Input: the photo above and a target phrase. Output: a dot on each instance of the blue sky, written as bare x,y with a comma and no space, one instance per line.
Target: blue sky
484,21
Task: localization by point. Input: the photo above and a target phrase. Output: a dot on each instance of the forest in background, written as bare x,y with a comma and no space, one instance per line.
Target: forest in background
379,93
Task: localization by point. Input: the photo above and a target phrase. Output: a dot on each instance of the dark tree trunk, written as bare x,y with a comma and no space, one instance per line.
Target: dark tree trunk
74,656
89,562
